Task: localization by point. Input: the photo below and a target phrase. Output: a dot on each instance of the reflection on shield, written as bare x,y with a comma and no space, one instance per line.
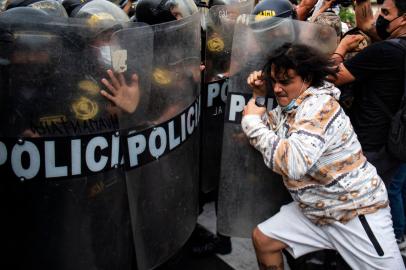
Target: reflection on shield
180,8
52,8
220,21
249,192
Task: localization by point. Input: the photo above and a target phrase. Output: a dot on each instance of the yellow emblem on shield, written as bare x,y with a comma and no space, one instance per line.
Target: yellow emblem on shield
95,19
52,119
215,44
162,76
85,108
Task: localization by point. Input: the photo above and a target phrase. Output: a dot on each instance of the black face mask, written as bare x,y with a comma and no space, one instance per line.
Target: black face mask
381,26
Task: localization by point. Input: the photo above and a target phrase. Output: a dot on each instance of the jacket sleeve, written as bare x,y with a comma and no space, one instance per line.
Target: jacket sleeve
306,140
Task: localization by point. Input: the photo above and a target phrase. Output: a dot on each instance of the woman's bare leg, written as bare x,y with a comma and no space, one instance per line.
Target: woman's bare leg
268,251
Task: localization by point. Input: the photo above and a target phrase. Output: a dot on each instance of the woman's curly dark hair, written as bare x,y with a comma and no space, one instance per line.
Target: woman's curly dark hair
310,64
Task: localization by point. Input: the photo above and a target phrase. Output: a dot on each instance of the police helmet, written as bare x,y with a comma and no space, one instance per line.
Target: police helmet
274,8
161,11
100,10
31,45
222,2
51,7
101,17
72,6
28,29
19,3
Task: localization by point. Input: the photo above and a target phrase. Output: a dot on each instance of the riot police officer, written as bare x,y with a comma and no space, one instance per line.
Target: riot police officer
30,69
161,11
274,8
103,19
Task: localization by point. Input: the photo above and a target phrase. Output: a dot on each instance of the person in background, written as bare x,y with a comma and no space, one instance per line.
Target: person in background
380,68
396,193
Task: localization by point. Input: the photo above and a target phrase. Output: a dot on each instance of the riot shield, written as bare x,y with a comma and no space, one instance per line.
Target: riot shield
162,170
181,9
52,8
97,10
65,203
127,56
249,192
203,7
220,22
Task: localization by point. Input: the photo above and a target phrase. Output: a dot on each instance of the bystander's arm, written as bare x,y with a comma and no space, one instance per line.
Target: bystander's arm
348,43
304,8
365,19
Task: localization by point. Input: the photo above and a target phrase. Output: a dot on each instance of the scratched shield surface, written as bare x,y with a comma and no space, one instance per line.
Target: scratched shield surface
162,171
219,23
249,192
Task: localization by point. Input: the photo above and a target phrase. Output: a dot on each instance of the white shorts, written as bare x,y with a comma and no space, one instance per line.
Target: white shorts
375,249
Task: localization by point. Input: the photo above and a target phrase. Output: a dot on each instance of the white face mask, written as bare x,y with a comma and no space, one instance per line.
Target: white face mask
105,56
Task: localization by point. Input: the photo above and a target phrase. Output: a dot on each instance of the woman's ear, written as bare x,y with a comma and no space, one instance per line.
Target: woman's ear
307,82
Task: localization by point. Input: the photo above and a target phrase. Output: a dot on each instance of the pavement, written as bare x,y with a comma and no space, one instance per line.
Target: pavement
242,255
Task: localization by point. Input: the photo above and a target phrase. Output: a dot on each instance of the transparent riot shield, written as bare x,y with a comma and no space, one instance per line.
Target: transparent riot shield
97,10
203,7
249,192
127,55
64,194
162,162
220,21
51,7
181,9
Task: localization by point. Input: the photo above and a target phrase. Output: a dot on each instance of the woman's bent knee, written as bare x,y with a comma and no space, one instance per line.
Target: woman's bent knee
265,243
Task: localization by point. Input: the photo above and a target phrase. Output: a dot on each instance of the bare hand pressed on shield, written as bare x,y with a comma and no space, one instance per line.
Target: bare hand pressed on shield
125,96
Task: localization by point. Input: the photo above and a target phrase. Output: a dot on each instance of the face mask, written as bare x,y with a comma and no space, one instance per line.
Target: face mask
292,103
381,25
105,56
290,106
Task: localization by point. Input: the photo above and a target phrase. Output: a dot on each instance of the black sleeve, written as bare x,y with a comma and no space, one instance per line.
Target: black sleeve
378,57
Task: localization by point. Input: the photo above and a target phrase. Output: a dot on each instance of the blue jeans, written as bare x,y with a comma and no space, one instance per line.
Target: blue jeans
396,193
